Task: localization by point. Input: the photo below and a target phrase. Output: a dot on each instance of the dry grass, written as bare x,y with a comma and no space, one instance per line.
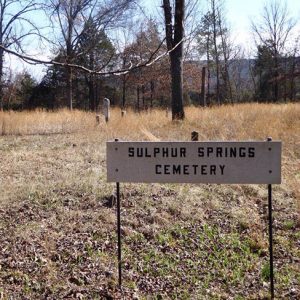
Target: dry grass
244,121
43,122
238,122
57,229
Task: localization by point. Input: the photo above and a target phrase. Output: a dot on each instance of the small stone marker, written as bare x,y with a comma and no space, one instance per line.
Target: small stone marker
123,113
106,108
195,136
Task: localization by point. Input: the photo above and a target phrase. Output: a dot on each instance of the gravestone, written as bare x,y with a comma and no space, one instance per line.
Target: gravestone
106,109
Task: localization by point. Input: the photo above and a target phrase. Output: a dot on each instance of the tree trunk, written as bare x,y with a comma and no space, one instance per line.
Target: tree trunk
227,84
161,101
70,87
76,99
276,84
203,92
138,98
174,38
208,69
226,77
285,79
69,55
216,50
292,83
208,97
124,79
292,88
152,92
92,93
177,91
124,92
1,80
91,85
143,96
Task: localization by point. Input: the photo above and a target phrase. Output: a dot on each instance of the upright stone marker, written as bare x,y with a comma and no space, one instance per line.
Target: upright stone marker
106,109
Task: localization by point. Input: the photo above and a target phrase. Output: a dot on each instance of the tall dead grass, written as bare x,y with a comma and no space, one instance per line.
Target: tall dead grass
44,122
243,122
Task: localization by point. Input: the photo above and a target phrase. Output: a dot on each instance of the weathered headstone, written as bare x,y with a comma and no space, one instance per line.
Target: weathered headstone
97,119
106,109
123,113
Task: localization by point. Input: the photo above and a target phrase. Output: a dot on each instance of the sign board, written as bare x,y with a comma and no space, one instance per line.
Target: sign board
194,162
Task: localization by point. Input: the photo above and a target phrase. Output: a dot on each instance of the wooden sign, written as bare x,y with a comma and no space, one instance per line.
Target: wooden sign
194,162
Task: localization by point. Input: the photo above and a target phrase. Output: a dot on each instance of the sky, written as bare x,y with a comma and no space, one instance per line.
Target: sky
239,13
242,12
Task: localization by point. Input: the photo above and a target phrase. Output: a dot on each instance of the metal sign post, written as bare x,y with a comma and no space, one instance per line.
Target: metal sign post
119,231
119,235
271,240
271,235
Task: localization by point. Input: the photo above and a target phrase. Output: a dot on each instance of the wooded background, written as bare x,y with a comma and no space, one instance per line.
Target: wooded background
183,55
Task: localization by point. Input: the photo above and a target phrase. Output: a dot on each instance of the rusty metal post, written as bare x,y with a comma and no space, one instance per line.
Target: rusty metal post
203,92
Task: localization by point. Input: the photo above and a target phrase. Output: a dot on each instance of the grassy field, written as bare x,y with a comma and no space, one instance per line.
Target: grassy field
183,241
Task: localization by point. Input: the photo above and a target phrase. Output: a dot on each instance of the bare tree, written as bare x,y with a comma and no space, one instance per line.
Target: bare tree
294,62
174,37
214,41
242,77
227,51
204,42
273,32
14,15
105,19
214,13
123,49
72,17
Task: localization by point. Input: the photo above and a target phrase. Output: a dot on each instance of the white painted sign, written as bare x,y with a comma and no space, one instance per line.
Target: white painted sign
194,162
